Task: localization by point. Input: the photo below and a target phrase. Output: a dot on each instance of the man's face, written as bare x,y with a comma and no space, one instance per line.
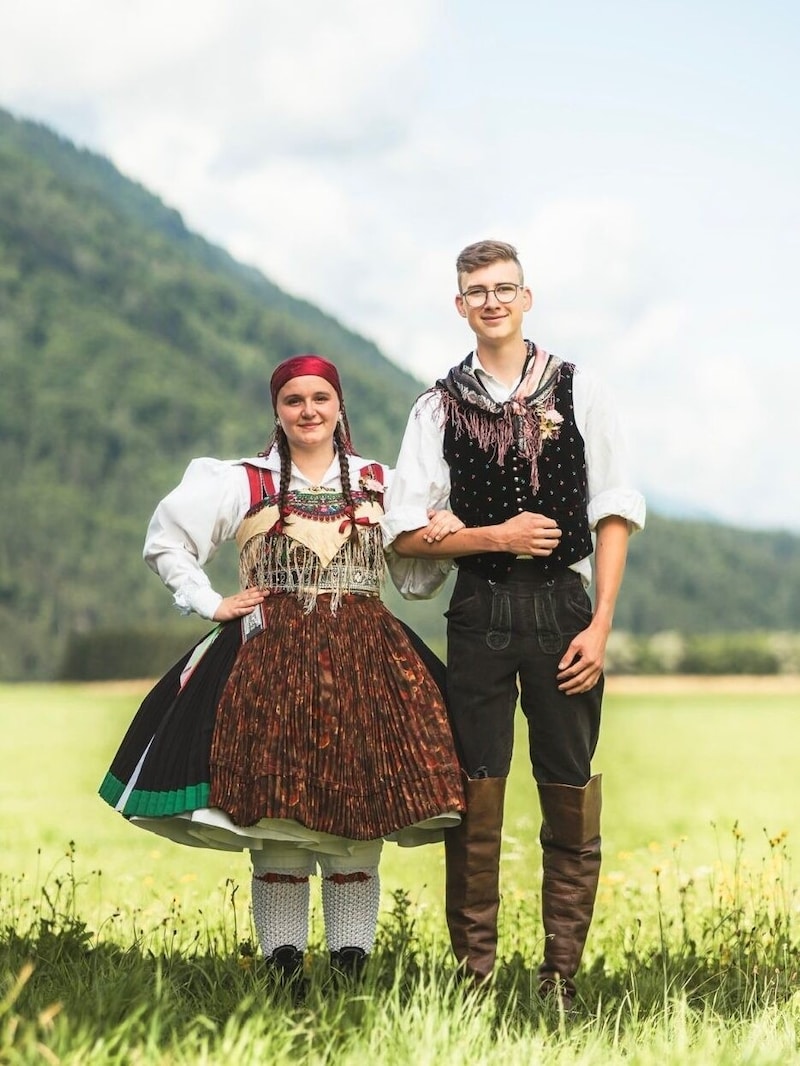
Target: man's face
495,321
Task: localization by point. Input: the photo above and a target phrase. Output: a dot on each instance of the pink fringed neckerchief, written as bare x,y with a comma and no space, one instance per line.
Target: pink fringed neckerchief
525,420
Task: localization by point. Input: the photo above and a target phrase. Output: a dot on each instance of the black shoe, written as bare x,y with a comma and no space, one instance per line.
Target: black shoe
286,963
348,962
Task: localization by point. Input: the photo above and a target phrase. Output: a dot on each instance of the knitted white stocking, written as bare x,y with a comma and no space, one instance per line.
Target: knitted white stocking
280,910
281,897
350,902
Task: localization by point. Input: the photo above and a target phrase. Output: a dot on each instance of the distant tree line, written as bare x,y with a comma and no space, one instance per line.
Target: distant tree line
704,653
107,654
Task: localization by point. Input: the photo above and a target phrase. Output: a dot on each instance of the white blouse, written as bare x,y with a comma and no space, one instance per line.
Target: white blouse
204,511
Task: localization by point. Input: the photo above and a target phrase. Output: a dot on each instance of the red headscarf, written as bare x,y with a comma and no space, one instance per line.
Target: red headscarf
298,366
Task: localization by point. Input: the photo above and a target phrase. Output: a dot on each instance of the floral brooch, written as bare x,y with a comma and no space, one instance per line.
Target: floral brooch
371,487
550,424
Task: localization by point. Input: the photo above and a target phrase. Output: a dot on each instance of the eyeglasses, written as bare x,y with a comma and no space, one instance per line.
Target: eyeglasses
505,294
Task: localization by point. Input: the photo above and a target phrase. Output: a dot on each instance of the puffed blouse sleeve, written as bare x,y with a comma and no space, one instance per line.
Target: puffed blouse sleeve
188,527
420,483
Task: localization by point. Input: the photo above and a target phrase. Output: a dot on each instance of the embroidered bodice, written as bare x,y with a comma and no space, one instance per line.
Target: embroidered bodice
310,551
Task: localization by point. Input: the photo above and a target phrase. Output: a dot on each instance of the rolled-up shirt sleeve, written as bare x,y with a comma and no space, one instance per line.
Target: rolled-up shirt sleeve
420,483
188,527
611,491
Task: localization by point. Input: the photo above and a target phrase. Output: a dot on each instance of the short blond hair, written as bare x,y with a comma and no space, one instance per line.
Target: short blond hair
484,253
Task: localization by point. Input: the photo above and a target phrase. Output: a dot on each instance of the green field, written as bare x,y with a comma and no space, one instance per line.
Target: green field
692,956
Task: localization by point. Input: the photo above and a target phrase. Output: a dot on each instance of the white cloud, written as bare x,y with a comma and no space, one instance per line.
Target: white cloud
351,150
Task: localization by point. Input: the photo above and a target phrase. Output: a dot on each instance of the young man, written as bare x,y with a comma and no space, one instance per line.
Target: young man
529,455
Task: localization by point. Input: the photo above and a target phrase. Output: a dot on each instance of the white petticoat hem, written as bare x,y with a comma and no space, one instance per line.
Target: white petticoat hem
209,827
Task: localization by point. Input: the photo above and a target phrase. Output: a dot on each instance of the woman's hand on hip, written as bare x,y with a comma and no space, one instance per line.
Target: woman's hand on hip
238,605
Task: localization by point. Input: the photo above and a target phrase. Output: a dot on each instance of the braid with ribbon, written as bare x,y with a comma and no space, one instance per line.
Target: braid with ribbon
286,473
347,489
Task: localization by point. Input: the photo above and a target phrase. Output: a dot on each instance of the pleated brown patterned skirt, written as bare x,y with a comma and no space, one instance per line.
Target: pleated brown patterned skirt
333,721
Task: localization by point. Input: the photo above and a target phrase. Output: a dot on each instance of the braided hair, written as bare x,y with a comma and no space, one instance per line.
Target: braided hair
341,437
282,445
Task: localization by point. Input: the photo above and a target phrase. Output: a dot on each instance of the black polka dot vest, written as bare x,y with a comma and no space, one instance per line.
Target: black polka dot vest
483,493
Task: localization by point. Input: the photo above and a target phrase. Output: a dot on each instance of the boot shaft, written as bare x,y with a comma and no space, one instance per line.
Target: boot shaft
571,855
472,889
571,814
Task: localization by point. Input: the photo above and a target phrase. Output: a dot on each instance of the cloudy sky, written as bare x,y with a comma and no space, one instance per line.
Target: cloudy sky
643,157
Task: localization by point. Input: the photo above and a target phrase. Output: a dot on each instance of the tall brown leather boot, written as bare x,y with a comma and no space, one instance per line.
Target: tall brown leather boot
570,837
472,887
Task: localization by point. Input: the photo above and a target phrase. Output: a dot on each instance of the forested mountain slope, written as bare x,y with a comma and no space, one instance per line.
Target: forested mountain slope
705,577
128,345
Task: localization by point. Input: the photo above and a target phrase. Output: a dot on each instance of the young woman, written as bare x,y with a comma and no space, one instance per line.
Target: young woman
307,726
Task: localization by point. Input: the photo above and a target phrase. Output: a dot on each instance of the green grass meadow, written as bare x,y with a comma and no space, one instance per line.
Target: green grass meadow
119,947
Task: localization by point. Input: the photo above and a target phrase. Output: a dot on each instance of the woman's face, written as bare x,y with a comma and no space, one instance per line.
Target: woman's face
307,409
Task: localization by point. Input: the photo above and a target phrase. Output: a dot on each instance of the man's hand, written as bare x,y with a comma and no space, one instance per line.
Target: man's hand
238,605
529,534
582,664
440,525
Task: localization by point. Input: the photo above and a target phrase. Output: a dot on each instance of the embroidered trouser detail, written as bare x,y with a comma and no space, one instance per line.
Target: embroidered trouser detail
504,644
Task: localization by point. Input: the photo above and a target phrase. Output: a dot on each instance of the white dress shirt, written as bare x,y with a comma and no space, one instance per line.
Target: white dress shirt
422,476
